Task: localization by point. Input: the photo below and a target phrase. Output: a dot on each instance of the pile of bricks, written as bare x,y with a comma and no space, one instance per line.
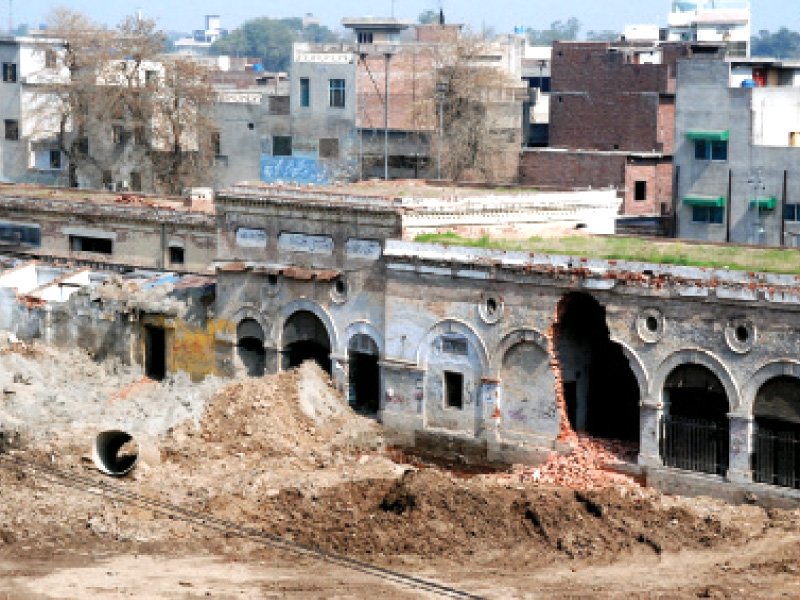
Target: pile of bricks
586,467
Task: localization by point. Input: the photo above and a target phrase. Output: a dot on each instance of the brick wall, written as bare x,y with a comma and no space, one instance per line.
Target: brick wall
657,176
601,101
572,169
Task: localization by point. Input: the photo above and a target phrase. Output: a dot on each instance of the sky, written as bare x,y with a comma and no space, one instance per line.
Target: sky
502,15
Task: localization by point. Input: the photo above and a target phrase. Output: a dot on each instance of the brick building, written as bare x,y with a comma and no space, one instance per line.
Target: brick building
612,113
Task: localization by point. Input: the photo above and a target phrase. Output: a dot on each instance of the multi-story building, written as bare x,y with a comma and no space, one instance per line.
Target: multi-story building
611,121
370,108
201,40
737,151
718,21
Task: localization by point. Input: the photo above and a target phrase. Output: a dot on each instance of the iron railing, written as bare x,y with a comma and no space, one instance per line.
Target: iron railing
695,444
776,457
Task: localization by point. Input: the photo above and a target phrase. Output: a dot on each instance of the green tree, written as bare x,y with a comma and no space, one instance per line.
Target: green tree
784,43
428,17
558,31
604,35
271,40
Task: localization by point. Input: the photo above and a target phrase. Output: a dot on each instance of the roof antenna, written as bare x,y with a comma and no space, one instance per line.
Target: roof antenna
441,12
11,17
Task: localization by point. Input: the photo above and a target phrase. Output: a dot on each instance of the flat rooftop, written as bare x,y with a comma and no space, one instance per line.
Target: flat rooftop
100,198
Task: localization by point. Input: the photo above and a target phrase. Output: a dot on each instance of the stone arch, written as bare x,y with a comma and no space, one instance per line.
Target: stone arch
766,372
637,366
453,326
364,374
523,364
362,327
513,338
306,305
250,312
698,357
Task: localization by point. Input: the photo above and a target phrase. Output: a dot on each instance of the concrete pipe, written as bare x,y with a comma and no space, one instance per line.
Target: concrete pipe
117,452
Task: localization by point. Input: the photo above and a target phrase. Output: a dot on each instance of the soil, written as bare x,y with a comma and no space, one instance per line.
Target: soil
284,454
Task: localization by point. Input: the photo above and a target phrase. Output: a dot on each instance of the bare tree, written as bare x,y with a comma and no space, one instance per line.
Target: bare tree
481,104
122,112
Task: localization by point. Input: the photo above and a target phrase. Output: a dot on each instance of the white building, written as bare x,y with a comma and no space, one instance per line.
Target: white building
712,21
199,44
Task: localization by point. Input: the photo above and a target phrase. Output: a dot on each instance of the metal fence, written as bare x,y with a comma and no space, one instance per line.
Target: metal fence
694,444
776,458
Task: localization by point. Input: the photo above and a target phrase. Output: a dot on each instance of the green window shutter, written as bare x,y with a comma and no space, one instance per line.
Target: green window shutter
709,201
722,135
768,203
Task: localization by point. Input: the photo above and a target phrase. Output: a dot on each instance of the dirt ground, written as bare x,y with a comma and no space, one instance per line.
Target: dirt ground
285,455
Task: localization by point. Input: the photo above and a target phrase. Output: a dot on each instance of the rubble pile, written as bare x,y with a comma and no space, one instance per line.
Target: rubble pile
586,466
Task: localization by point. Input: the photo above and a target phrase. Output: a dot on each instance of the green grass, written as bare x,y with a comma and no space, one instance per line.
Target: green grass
670,252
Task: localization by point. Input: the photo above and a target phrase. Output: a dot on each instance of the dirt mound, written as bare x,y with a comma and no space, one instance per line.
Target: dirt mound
428,514
292,413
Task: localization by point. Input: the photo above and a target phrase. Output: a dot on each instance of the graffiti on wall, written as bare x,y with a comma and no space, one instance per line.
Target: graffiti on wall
293,169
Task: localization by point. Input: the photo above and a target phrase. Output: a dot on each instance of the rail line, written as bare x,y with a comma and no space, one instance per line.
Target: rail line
173,511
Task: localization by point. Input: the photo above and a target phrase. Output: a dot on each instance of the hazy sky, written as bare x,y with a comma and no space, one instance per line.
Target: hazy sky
503,15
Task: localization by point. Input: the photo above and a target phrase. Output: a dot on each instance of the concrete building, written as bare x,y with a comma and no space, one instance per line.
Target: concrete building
201,40
716,21
736,151
100,228
29,152
368,108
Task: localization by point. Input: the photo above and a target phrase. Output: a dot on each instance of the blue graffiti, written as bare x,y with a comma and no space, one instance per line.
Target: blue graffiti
293,169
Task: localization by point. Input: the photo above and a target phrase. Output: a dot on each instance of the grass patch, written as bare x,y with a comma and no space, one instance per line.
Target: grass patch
668,252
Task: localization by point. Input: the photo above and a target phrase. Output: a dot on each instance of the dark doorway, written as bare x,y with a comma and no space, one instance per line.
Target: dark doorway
155,353
250,346
776,447
599,387
364,374
305,338
695,424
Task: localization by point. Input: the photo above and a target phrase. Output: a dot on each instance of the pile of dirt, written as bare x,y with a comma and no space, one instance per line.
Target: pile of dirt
292,413
430,514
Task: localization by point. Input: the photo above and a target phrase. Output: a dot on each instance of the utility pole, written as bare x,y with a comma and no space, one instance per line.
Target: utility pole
386,58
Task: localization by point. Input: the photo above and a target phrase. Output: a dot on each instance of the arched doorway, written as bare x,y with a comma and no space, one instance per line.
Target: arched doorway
776,447
528,397
364,373
305,338
600,390
695,426
250,347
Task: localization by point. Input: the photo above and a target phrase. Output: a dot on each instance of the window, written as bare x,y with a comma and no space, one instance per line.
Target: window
710,150
139,135
640,190
82,243
329,148
12,129
119,135
44,158
136,181
707,214
305,92
336,93
55,159
453,389
176,255
364,37
216,143
791,212
9,72
107,179
281,145
455,344
50,59
150,77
